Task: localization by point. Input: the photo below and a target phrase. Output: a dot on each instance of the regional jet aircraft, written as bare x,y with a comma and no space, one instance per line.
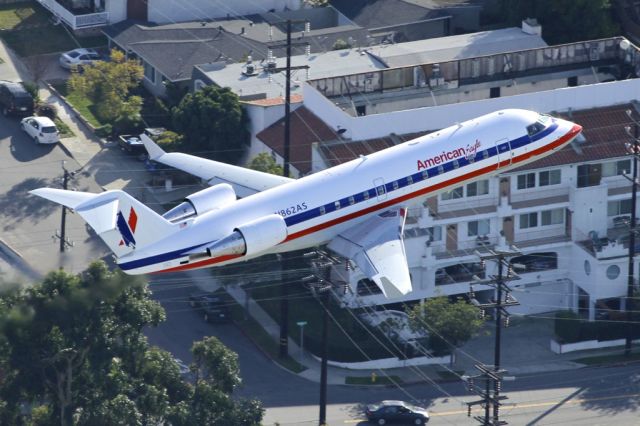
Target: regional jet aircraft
357,208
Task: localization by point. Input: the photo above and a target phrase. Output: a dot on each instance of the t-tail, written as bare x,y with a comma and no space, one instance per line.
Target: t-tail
123,223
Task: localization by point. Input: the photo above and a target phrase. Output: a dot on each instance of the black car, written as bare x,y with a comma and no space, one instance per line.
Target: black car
215,308
396,412
14,99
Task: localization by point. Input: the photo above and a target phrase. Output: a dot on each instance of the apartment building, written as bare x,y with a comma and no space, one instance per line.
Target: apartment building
568,214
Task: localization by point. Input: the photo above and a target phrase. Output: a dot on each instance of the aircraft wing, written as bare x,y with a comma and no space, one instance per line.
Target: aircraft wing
244,181
377,248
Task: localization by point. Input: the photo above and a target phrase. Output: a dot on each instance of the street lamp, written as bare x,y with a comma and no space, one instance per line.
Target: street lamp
301,324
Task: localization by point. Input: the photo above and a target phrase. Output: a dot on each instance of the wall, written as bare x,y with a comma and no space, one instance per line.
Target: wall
117,10
429,118
168,11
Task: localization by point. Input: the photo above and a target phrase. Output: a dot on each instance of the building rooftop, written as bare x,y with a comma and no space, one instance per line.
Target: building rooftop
229,40
385,13
306,129
333,64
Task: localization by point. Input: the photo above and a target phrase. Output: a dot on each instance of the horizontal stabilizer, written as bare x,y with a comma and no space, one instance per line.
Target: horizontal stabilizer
69,199
377,248
244,181
122,222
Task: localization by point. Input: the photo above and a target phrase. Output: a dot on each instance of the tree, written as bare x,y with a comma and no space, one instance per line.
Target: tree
213,123
72,348
448,324
108,84
265,163
563,21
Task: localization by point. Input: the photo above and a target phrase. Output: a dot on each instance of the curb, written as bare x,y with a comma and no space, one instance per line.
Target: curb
16,259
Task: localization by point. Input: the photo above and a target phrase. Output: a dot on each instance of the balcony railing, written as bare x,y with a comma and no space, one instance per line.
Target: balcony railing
87,20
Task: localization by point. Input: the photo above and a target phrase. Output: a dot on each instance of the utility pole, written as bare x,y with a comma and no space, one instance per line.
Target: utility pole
321,286
494,374
61,235
284,295
634,150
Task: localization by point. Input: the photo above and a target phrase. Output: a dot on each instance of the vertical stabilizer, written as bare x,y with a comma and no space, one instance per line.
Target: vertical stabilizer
123,223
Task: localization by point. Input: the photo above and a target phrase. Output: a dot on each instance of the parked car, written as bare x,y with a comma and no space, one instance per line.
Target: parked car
396,412
131,144
77,58
40,129
215,308
14,99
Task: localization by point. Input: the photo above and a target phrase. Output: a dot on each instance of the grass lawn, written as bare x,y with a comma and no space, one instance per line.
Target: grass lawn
260,337
379,380
348,338
27,29
65,131
82,104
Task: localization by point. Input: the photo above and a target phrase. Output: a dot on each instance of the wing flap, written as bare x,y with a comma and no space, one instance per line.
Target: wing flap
377,248
244,181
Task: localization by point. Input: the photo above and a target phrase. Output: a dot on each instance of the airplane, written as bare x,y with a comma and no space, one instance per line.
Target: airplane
358,208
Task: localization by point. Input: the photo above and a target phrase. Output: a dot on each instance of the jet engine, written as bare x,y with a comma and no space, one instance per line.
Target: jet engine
201,202
251,238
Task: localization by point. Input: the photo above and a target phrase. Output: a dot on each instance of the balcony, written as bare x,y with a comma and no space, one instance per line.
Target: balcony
76,18
614,244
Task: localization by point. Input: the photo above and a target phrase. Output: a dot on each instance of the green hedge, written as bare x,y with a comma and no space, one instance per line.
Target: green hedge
569,327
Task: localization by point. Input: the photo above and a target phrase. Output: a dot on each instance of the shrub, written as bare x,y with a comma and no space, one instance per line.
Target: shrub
32,88
128,125
47,110
169,140
567,326
104,131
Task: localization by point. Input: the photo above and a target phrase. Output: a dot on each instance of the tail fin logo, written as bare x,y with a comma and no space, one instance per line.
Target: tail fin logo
127,228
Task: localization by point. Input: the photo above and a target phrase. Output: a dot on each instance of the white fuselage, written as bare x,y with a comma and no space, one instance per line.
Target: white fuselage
318,207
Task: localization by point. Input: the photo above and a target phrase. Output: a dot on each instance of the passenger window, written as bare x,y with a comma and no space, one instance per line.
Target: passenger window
440,170
352,201
337,205
456,164
365,195
425,175
485,154
380,190
410,180
322,210
395,184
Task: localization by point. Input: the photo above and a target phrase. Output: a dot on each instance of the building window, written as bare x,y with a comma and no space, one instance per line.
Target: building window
478,227
551,177
480,187
619,207
616,168
149,72
613,272
537,261
526,181
528,220
455,193
435,233
552,217
589,175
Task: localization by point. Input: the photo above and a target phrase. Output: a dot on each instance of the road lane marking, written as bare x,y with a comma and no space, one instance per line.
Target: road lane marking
516,405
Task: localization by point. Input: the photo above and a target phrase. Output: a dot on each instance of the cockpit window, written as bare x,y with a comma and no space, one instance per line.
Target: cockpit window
541,123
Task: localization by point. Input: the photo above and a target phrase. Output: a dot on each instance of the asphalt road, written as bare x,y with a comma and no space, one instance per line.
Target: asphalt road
593,396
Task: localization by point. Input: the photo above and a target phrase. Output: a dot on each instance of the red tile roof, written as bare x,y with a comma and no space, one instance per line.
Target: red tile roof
342,151
306,128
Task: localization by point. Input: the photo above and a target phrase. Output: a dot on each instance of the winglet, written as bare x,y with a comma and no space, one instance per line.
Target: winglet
152,148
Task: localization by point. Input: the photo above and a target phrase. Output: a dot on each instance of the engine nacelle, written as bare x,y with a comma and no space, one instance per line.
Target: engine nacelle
251,238
201,202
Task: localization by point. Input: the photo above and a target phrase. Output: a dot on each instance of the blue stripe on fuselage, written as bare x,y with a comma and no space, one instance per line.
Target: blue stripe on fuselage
360,196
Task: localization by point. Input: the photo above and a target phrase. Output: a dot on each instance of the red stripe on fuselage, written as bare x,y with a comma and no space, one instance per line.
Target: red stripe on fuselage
560,141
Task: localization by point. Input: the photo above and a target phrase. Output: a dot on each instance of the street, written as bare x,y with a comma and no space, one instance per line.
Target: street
594,396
